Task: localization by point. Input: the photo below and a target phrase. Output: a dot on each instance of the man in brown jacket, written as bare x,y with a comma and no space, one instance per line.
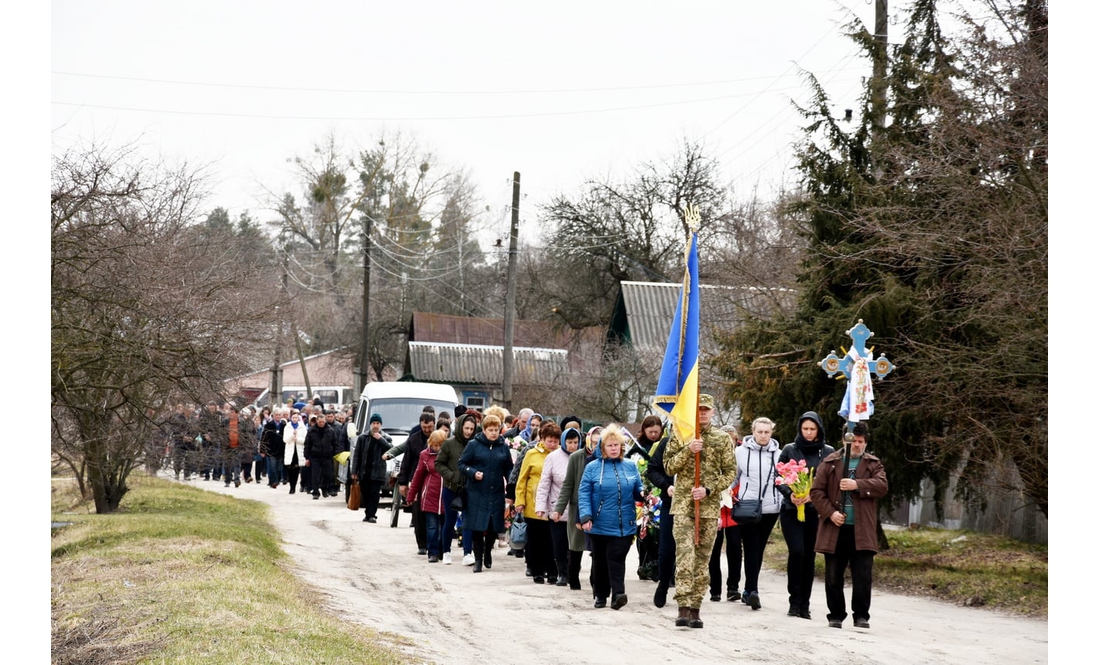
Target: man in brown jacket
847,508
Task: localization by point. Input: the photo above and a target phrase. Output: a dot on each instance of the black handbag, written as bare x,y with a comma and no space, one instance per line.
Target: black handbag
458,501
750,511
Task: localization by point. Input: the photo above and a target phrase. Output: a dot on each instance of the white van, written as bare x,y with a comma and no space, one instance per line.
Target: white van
330,395
400,404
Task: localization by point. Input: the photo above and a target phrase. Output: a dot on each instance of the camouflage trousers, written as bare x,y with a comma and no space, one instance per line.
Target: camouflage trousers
693,561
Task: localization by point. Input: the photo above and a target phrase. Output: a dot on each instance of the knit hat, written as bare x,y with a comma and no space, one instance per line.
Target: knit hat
375,418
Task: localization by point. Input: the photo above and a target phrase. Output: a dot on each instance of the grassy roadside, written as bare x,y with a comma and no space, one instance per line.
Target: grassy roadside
187,576
961,567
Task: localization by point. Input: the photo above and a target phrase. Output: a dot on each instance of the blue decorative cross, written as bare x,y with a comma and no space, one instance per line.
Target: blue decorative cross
833,364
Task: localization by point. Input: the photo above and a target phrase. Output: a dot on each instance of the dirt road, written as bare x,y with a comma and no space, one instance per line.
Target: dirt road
372,575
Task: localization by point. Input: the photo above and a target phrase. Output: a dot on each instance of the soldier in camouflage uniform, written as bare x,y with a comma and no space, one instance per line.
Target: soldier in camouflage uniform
717,470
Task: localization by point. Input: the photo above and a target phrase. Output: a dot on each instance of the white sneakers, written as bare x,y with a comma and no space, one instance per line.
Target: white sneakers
468,560
446,557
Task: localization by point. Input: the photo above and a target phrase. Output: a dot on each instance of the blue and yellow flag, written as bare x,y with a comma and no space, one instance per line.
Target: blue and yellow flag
678,386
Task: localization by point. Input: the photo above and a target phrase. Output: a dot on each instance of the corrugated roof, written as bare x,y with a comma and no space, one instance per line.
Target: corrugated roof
449,329
483,364
650,307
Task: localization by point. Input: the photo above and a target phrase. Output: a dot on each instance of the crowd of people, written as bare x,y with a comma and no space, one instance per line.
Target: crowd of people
693,501
291,446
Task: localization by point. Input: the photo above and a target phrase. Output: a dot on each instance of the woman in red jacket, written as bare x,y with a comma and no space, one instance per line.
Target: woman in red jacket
427,488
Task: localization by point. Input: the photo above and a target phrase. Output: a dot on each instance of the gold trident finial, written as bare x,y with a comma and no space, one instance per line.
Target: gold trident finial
691,216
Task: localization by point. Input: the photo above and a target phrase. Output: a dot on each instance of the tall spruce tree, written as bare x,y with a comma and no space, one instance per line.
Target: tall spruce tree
933,230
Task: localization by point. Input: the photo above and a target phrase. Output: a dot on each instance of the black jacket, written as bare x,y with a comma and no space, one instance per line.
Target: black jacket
655,473
414,445
271,439
801,449
321,443
368,462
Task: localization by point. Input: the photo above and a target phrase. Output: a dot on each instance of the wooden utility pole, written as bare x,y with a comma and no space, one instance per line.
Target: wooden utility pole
510,298
276,391
878,72
364,352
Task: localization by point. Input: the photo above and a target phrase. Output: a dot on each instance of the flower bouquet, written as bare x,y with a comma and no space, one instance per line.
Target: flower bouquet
648,514
799,478
649,523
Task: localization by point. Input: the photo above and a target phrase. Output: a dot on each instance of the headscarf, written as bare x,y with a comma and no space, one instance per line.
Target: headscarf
527,434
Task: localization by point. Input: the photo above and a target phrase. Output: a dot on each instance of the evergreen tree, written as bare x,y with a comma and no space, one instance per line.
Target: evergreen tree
933,231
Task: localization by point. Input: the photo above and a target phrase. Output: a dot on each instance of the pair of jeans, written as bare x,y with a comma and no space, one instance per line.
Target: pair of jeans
274,471
800,538
732,537
433,526
754,538
420,530
232,465
861,562
609,564
451,516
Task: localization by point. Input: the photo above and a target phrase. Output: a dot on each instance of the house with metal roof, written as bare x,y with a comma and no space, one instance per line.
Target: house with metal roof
468,353
643,312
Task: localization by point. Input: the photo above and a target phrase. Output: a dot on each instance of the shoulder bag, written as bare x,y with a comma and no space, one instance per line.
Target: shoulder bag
749,511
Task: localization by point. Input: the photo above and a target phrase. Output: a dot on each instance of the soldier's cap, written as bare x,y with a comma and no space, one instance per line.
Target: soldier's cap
706,401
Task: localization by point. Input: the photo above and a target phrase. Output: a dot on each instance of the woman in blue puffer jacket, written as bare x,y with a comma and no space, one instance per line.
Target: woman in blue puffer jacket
609,489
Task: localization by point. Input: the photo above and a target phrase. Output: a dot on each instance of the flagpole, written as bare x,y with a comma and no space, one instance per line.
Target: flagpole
678,384
692,216
696,481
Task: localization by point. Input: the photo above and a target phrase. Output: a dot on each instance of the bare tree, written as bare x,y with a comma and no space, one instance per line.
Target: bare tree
146,307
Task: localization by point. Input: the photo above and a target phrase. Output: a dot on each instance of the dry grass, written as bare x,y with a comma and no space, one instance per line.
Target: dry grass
188,576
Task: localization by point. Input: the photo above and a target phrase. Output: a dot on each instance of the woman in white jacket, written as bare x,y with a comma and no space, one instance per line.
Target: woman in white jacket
756,459
294,436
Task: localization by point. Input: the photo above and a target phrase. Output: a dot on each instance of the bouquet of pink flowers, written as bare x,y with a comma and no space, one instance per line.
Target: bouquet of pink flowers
799,478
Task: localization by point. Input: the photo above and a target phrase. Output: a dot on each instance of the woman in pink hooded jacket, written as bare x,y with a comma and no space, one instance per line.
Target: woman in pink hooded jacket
553,474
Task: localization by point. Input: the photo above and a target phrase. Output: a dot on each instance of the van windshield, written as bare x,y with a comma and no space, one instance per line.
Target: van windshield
403,413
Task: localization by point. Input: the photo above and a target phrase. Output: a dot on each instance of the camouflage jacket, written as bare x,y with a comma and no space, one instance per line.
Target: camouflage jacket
717,471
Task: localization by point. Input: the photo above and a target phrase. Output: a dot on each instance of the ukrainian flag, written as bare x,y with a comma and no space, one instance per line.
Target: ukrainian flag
678,386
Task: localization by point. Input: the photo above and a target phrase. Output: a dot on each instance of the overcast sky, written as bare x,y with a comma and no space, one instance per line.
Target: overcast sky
559,93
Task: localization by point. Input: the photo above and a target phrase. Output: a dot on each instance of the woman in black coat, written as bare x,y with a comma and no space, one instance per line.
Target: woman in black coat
809,444
485,462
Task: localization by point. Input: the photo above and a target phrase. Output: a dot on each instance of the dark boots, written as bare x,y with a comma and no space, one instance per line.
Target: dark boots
563,573
479,552
660,596
693,618
683,618
574,571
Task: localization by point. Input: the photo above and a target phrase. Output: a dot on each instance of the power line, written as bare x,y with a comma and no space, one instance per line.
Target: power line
505,116
247,86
